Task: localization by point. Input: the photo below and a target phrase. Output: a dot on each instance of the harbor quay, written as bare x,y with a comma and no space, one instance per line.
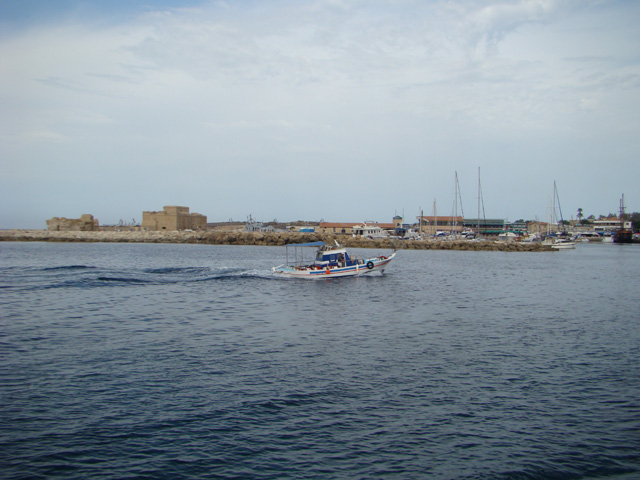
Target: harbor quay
262,238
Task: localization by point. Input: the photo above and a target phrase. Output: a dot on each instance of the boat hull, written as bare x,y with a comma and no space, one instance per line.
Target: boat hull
368,266
563,246
623,236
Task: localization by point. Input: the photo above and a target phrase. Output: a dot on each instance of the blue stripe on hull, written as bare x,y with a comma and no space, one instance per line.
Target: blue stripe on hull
360,270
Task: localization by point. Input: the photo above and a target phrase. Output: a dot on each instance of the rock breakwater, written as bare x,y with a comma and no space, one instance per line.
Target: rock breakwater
267,239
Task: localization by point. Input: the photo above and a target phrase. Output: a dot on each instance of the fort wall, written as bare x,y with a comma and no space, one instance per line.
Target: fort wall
86,223
173,218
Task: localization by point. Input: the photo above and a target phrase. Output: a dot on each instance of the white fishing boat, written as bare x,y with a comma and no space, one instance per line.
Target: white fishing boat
507,237
330,261
563,244
531,237
607,237
585,237
559,242
369,230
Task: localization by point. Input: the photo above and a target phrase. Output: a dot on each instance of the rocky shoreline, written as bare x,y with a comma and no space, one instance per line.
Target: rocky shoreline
267,239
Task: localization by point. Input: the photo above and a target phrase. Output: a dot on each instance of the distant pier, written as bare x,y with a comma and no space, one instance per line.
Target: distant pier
260,238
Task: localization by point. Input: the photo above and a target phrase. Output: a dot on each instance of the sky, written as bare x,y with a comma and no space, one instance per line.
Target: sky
323,109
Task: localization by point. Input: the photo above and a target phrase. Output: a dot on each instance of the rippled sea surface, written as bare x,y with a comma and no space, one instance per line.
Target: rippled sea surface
194,361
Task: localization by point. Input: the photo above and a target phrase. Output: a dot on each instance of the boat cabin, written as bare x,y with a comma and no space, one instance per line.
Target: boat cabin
326,256
332,257
370,231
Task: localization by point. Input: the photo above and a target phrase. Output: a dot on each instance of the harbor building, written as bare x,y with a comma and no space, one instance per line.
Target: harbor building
519,227
362,228
542,228
434,224
336,227
259,227
173,218
609,224
485,226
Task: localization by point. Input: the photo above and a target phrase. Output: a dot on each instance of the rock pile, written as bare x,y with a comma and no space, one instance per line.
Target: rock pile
257,238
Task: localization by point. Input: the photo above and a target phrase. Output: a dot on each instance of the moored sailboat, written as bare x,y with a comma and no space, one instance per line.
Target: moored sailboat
561,241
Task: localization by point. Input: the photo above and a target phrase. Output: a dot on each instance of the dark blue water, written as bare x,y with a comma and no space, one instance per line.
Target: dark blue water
194,361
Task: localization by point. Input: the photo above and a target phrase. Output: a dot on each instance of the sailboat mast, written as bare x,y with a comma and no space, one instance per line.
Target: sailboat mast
459,196
553,212
455,203
478,200
555,191
435,217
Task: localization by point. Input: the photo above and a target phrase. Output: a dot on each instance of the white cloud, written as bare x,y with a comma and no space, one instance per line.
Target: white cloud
46,136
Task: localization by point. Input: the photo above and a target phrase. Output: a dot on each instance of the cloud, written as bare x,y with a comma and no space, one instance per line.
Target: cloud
492,23
254,94
46,136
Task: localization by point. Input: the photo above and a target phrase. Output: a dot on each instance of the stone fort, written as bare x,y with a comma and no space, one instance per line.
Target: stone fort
173,218
86,223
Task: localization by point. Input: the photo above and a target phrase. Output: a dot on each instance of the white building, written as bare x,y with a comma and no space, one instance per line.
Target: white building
606,224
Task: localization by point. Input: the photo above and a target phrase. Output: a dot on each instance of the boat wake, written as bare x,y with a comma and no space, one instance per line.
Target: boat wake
81,276
160,276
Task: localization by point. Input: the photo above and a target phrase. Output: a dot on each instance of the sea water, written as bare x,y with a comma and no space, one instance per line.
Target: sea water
195,361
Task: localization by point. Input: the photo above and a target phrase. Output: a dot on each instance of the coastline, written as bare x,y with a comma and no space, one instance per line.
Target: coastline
257,238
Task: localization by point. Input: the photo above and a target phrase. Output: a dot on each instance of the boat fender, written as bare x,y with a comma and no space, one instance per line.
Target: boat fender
328,271
369,265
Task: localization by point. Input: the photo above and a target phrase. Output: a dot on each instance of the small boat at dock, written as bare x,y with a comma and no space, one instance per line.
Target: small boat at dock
330,261
563,244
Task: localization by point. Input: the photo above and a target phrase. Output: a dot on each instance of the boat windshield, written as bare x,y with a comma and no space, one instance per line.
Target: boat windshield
339,257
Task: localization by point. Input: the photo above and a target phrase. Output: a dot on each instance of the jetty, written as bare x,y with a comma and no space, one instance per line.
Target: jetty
262,238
